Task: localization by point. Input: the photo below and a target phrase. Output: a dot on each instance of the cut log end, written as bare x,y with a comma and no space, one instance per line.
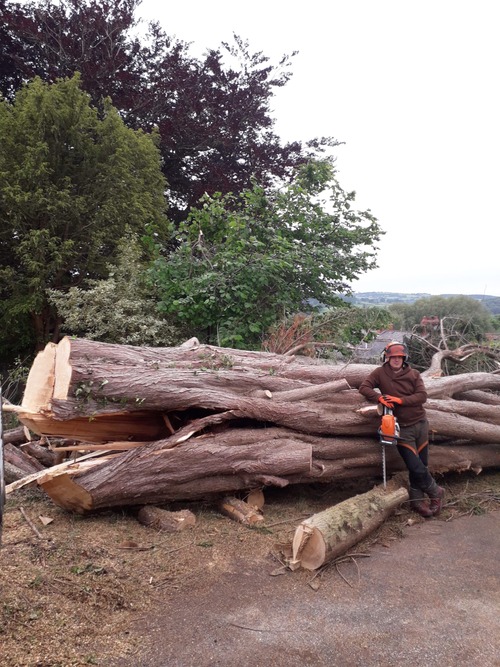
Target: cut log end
308,547
256,499
329,534
40,382
240,511
67,494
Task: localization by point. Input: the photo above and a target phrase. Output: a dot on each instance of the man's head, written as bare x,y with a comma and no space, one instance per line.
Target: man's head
395,350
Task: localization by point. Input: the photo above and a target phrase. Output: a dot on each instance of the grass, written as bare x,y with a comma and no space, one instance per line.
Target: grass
68,597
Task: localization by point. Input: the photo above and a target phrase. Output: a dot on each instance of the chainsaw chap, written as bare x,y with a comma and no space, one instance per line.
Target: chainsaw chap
403,388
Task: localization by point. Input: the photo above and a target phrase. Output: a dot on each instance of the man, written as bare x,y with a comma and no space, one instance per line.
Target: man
402,389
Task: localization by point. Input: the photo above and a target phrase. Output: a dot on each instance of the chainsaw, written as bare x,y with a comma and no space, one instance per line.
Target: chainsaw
388,434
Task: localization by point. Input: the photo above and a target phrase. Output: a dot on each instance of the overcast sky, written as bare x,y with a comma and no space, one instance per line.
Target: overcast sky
412,88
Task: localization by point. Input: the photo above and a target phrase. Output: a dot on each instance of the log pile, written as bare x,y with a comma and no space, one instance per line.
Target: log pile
165,424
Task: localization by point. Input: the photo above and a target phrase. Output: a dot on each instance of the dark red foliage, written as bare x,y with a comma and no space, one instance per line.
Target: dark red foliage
213,113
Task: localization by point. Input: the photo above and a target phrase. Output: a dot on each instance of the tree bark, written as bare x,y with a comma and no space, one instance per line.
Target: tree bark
21,459
16,436
329,534
153,474
12,473
200,421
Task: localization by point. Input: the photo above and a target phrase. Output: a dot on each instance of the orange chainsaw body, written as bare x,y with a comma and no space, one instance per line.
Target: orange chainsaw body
389,428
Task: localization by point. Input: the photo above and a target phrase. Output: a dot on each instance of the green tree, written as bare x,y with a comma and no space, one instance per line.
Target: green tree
243,262
71,182
495,323
214,113
118,309
463,317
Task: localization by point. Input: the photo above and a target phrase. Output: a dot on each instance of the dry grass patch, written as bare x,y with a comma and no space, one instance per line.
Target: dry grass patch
70,589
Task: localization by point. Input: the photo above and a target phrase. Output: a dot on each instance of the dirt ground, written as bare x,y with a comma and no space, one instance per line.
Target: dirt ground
105,590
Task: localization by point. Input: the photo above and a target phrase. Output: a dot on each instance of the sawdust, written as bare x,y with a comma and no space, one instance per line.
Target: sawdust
70,590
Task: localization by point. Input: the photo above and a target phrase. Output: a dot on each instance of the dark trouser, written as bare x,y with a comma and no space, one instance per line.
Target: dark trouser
414,450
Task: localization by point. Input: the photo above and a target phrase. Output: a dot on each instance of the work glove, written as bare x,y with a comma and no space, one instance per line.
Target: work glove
393,399
385,401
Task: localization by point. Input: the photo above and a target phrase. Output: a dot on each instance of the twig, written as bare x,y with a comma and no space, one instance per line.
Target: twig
31,524
346,558
247,627
486,495
340,573
172,551
338,561
278,523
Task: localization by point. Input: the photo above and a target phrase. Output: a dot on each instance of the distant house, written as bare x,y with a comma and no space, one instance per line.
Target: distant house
371,353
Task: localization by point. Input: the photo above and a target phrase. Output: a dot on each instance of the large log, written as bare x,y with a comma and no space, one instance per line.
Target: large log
43,454
218,420
199,468
447,387
12,473
113,383
488,413
329,534
152,473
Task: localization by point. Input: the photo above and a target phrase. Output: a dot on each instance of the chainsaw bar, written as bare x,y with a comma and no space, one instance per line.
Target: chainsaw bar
388,434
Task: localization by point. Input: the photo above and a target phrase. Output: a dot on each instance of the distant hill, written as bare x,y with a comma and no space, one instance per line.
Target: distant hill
384,299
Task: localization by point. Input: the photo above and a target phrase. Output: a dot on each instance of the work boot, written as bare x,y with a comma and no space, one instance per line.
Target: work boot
418,504
436,494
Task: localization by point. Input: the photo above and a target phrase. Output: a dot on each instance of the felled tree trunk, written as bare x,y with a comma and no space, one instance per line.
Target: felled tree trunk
16,436
153,474
206,421
237,461
12,473
329,534
42,454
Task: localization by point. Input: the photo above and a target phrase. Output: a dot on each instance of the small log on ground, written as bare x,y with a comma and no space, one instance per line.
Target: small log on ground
240,511
160,519
16,436
46,456
21,459
329,534
12,473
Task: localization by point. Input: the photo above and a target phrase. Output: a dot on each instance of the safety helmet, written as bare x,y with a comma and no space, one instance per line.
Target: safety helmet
395,349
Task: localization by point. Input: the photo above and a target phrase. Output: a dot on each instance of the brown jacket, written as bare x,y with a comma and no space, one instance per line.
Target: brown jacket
407,384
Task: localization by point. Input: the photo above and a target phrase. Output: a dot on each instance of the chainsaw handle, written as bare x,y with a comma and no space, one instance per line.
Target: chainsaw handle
385,402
